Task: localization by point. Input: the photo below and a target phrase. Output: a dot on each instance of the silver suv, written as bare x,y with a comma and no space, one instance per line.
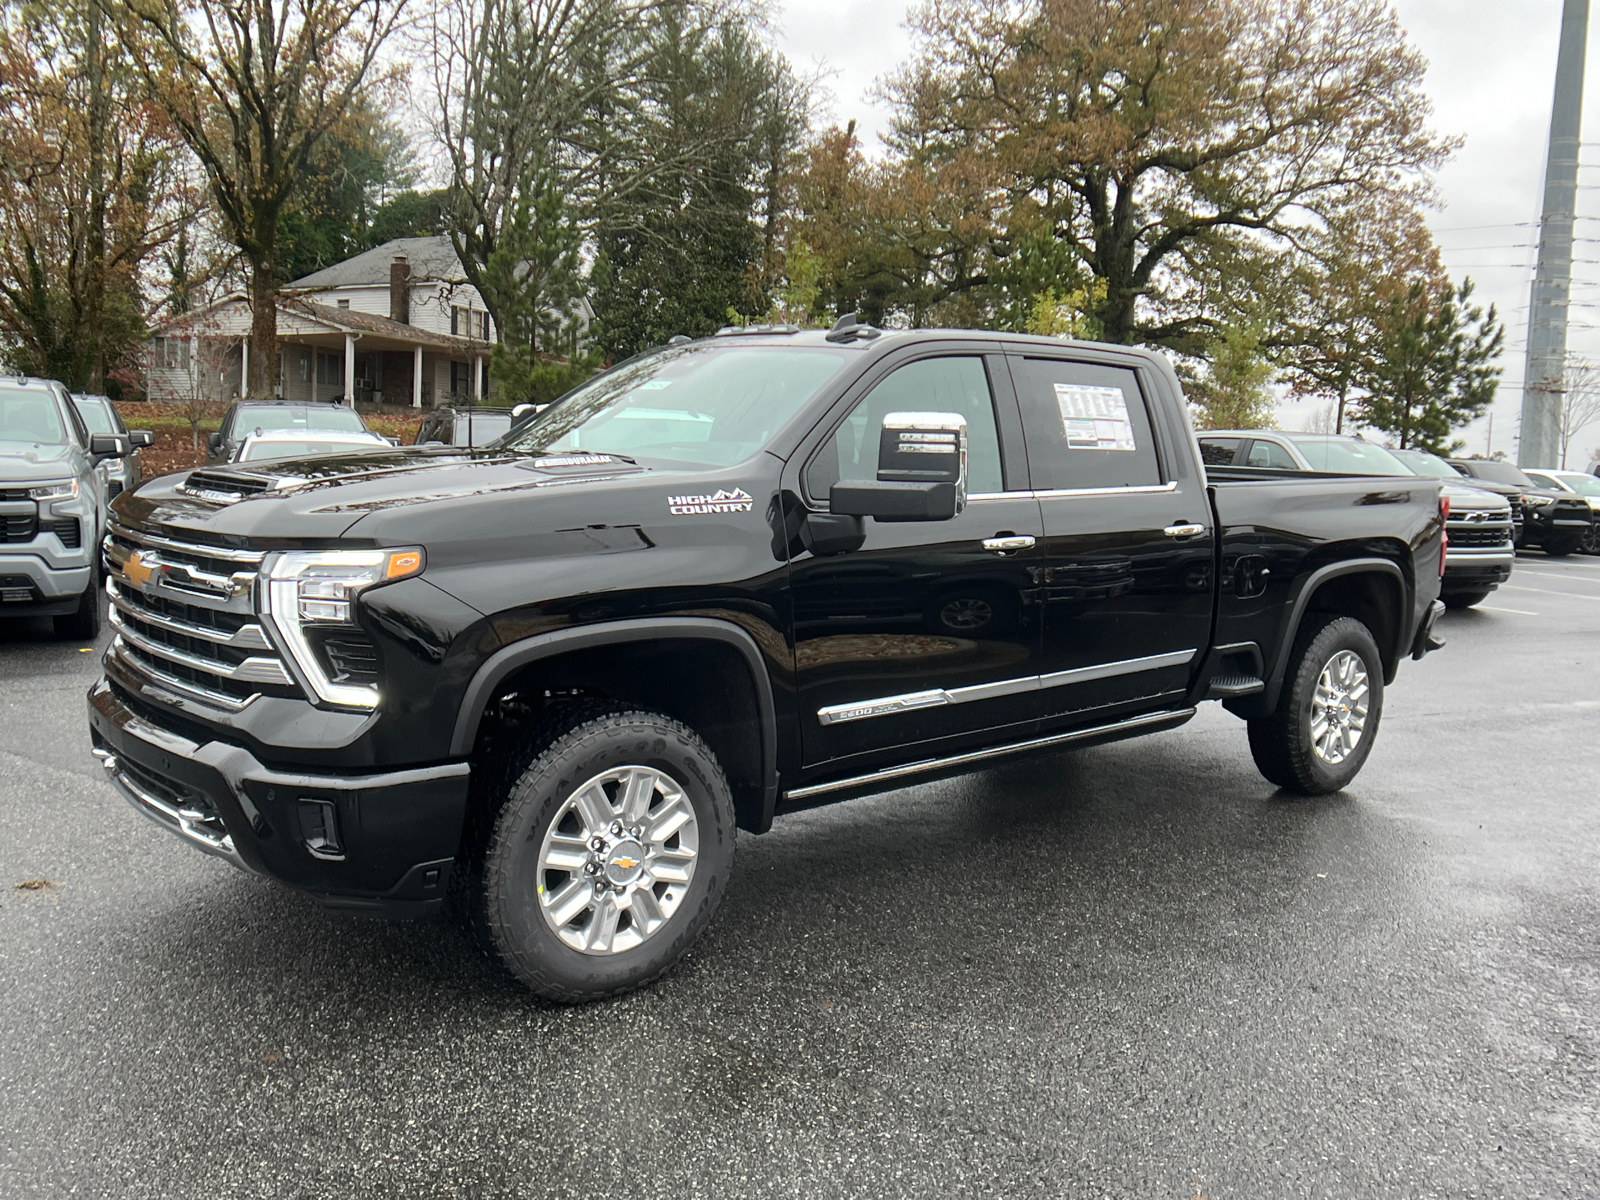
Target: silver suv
52,506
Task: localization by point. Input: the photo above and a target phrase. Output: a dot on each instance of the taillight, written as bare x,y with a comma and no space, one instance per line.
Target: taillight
1444,531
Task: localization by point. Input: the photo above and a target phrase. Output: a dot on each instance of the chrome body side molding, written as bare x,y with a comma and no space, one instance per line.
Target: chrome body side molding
859,710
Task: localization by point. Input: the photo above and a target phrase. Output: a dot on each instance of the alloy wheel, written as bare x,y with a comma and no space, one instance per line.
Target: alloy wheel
617,860
1339,707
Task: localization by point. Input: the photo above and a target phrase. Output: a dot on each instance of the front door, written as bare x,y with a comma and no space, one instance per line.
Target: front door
929,632
1127,597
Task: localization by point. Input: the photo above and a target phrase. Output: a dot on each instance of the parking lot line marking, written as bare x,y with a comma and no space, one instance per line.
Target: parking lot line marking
1521,612
1558,575
1547,592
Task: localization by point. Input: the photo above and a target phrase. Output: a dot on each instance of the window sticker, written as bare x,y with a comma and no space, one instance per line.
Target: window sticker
1094,418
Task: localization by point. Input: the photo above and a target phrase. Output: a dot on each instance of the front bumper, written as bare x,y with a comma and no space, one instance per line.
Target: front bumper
44,579
1471,568
382,843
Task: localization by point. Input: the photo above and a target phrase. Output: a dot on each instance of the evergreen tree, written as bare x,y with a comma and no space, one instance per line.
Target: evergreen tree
1432,369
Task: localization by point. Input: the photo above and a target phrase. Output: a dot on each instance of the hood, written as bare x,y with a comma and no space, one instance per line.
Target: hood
283,502
28,462
1464,498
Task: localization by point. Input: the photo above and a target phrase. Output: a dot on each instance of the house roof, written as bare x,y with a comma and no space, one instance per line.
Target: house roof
299,317
430,258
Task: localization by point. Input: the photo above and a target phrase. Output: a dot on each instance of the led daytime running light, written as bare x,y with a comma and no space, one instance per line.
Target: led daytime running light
307,589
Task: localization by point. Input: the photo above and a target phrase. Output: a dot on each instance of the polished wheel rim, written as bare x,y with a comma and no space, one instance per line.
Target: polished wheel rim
969,613
618,860
1339,707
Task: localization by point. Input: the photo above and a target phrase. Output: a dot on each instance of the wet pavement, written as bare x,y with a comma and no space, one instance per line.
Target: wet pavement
1134,971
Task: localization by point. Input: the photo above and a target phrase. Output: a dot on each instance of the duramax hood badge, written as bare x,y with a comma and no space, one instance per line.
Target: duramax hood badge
720,501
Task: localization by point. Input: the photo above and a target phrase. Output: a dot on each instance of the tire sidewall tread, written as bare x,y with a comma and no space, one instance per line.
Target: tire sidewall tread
534,783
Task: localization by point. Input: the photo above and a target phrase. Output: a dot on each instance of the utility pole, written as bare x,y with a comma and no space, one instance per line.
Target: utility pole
1542,388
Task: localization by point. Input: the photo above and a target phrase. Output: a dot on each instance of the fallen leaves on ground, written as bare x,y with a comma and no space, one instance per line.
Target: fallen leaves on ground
35,885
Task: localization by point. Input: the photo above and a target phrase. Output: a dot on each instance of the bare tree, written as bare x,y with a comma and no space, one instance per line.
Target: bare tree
1580,400
253,86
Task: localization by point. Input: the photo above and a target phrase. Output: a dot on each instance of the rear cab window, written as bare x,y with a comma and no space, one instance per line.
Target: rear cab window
1087,426
1218,452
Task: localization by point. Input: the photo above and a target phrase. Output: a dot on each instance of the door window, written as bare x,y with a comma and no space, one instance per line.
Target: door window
1086,425
1218,452
957,384
1269,454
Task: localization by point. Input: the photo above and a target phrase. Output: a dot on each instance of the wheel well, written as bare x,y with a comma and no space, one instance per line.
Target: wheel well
706,684
1373,598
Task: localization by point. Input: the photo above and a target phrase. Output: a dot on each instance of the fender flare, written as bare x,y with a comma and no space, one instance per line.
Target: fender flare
509,658
1355,566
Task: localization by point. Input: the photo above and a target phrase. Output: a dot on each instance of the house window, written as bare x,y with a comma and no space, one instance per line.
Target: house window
330,369
171,353
305,366
468,322
344,304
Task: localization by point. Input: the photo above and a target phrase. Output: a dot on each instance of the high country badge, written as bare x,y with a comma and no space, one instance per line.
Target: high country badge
720,501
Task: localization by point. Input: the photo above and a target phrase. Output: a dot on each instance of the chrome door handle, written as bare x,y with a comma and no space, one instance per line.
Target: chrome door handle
1187,530
1005,545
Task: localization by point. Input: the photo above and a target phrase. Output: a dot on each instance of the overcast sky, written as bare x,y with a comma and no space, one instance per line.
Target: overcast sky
1491,74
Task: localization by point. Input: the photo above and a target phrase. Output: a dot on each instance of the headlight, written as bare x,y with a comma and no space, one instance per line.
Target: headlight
67,490
1538,501
311,595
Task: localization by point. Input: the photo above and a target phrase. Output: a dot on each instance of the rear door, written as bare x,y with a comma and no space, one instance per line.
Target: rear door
1128,533
928,635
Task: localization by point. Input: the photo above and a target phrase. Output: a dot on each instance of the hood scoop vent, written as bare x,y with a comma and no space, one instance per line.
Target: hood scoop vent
228,487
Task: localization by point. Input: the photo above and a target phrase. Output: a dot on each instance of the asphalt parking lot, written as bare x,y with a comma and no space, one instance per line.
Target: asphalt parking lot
1134,971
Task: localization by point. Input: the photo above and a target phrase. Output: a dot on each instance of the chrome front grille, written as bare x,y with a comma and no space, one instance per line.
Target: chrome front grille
184,615
1466,532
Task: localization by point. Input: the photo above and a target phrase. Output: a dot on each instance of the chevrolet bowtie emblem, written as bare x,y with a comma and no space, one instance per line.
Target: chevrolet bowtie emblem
626,863
137,570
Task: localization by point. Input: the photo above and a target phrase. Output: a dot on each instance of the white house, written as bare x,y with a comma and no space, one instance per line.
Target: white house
400,321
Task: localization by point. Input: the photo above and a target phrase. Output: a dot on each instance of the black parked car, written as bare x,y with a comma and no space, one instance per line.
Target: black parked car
245,417
1551,520
475,425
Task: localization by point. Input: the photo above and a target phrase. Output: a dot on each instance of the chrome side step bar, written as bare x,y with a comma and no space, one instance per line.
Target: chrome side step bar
1148,723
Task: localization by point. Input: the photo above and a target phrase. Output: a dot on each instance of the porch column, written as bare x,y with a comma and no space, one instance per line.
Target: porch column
416,377
314,357
477,378
244,369
350,369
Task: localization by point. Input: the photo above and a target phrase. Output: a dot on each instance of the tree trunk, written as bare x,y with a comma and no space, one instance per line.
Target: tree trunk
263,382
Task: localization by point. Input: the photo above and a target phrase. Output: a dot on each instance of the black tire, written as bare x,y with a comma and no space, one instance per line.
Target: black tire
83,624
1589,541
1464,599
504,884
1282,743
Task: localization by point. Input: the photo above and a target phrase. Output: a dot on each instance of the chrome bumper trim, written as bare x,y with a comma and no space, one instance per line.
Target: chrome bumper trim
189,824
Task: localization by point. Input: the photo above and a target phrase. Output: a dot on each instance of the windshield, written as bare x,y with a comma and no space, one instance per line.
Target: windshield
256,450
1498,472
1426,464
1349,456
288,416
95,416
1584,485
30,416
700,406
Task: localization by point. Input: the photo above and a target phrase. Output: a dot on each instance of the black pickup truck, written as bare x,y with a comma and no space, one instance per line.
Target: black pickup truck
725,580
